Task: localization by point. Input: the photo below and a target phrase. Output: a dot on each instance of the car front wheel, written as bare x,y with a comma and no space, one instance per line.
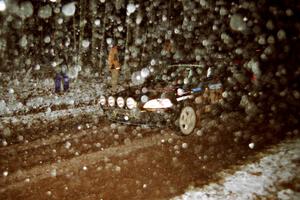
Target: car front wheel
187,120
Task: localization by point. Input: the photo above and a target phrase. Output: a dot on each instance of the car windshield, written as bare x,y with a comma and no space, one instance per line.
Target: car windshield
181,76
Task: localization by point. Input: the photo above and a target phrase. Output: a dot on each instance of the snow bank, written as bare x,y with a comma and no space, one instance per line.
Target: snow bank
261,179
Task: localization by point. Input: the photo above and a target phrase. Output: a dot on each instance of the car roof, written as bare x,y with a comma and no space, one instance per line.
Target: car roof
186,65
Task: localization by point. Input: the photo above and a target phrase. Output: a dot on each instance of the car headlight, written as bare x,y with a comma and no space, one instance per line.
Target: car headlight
144,90
102,101
111,101
131,103
158,104
121,102
144,98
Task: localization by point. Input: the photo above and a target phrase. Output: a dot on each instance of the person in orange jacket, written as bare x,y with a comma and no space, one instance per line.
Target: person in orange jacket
114,66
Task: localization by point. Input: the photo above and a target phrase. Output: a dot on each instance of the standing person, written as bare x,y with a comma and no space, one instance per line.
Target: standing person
65,78
57,81
114,66
66,82
61,80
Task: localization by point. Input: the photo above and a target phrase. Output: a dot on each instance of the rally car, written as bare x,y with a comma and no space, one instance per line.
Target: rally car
176,96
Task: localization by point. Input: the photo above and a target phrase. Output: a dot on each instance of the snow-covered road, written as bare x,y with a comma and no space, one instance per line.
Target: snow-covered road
263,179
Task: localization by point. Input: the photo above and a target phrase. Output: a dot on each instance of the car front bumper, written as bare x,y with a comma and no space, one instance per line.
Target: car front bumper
139,117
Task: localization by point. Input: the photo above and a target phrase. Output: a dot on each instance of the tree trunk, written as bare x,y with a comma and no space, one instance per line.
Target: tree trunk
93,58
125,67
81,33
101,67
74,39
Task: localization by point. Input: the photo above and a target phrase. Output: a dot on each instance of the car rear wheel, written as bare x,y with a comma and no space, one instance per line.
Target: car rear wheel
187,120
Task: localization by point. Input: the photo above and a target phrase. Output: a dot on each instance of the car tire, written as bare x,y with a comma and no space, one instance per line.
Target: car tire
187,120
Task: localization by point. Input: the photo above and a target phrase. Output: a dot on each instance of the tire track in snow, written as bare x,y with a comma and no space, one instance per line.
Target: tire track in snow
35,174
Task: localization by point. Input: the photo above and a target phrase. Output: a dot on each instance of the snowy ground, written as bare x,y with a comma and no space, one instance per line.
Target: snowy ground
170,160
264,179
24,100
